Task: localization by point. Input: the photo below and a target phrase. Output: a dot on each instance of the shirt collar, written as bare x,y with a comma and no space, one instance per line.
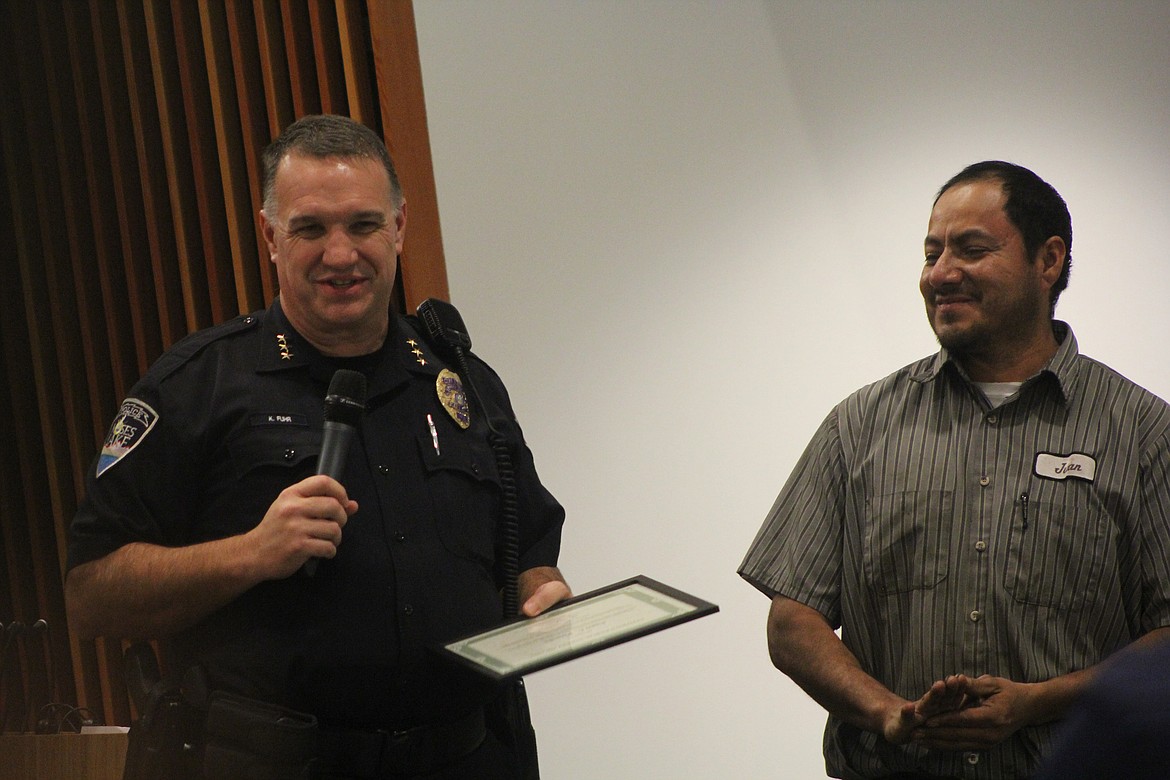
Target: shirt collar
1061,367
282,348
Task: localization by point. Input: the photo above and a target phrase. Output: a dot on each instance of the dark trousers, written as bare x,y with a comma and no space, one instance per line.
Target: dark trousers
492,760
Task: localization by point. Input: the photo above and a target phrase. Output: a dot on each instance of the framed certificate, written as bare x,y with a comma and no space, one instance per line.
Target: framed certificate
578,626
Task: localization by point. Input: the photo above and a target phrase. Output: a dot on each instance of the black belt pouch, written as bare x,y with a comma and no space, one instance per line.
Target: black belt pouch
247,739
164,741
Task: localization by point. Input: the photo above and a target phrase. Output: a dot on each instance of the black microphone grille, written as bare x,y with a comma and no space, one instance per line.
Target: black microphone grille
346,399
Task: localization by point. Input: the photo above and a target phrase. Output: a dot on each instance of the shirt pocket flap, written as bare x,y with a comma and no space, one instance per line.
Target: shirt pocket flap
285,448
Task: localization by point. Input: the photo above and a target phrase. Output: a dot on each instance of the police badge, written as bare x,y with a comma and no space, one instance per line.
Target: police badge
452,396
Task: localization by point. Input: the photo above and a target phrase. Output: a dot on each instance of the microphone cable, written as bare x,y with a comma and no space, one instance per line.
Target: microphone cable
445,325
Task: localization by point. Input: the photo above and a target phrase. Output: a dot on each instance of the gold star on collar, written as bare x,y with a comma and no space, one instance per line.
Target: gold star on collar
418,353
282,345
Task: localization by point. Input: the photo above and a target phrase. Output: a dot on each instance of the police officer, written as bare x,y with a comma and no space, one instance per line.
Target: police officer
203,506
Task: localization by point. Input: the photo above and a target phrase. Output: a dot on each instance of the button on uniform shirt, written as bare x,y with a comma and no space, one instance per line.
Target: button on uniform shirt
943,536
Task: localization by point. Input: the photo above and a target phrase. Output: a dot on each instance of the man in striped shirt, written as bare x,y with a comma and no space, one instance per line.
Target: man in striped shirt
984,526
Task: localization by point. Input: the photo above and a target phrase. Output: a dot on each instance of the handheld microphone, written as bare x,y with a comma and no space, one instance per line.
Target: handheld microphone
344,405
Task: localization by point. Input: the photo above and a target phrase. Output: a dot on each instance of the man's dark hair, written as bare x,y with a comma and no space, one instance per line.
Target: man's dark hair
1033,206
327,135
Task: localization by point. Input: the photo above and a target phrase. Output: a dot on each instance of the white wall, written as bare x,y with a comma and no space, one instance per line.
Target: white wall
681,231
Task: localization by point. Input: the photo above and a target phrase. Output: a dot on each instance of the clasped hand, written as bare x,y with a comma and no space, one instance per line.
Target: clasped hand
962,713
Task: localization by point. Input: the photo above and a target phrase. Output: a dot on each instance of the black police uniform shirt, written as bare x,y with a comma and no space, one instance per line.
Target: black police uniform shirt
232,415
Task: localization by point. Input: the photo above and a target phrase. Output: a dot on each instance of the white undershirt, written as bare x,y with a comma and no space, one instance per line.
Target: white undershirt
998,392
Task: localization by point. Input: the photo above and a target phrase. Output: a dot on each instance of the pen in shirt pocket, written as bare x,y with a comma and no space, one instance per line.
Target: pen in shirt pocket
1024,508
434,435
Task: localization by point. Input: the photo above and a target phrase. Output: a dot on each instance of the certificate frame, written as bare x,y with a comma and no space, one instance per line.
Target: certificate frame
576,627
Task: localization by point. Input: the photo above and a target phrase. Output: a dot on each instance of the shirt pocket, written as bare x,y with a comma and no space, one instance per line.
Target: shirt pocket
905,540
255,465
278,451
1056,559
464,484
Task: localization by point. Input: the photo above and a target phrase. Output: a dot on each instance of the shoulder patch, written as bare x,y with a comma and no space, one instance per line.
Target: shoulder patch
133,421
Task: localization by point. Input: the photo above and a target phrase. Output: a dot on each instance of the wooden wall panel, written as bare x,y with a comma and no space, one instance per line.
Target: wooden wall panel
104,266
251,108
327,57
302,63
353,38
275,68
148,222
39,480
119,233
210,286
403,112
131,136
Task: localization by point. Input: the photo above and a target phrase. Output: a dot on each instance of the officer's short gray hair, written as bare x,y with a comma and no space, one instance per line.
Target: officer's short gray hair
327,135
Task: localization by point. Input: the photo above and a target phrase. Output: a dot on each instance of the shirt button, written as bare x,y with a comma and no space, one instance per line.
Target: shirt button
407,609
475,469
985,481
992,419
383,470
400,537
975,616
980,545
971,758
289,454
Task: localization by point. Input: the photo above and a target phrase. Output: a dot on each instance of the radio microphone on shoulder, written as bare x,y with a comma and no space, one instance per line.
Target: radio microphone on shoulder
344,405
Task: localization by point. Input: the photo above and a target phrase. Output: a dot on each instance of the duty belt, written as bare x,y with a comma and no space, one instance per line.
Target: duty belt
372,754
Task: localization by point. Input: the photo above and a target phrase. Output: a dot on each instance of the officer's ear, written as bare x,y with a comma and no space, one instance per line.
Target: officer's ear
268,230
400,227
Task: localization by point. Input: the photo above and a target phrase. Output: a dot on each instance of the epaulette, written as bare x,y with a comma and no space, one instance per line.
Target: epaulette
186,348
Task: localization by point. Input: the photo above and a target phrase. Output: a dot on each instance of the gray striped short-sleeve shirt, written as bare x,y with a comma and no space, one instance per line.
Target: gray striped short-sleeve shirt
944,536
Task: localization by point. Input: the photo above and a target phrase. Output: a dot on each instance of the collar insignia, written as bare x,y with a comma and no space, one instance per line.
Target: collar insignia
282,345
418,353
453,398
